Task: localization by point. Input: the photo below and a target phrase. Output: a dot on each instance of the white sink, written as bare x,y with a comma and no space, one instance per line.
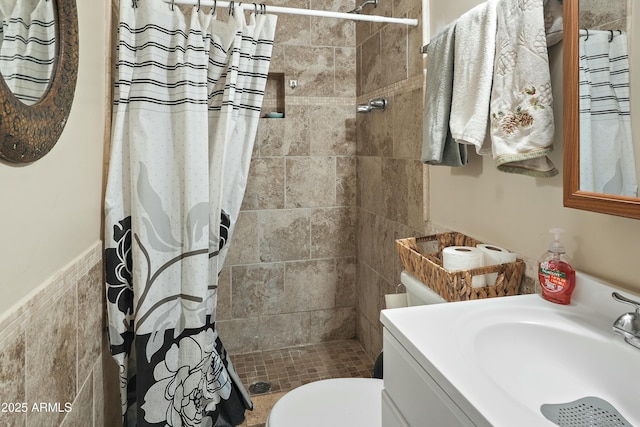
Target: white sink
501,359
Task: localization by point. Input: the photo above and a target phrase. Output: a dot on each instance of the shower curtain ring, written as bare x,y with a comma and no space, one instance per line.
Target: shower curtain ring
587,30
198,8
173,2
134,4
231,6
263,8
610,36
255,9
215,6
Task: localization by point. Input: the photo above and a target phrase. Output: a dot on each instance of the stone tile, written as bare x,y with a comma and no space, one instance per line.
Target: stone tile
394,51
257,290
297,135
394,189
346,295
82,409
407,129
91,301
416,173
292,29
369,183
310,182
333,130
333,32
371,65
345,72
366,234
313,67
368,291
265,184
99,394
12,379
284,234
223,305
375,132
270,137
284,330
333,232
345,181
245,246
333,324
310,285
239,335
51,357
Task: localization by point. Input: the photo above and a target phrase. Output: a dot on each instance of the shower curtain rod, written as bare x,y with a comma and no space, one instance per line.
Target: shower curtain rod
296,11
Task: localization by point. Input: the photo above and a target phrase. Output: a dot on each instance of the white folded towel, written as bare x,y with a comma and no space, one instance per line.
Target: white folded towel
522,123
473,72
607,161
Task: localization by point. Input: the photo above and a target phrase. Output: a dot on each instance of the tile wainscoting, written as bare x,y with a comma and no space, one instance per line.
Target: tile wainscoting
55,369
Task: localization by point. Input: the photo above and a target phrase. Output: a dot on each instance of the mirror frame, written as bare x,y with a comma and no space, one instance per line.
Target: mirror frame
28,132
574,198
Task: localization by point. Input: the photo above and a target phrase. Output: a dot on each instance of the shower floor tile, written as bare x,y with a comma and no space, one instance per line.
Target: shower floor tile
288,368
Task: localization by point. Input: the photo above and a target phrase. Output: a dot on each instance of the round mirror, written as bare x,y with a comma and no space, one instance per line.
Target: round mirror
38,67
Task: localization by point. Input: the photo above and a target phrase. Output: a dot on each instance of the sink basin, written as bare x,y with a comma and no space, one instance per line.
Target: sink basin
501,359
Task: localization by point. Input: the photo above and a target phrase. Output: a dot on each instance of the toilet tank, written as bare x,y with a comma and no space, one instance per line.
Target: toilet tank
417,292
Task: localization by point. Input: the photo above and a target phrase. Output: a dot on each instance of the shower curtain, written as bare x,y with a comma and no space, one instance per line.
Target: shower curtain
607,161
187,99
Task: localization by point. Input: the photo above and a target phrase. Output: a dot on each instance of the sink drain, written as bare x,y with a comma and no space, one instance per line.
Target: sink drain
588,411
260,387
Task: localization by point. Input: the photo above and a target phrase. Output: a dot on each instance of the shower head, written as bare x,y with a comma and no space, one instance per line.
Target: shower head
358,9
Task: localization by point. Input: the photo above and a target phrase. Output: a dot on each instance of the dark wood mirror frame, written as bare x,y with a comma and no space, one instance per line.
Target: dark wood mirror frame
28,132
573,197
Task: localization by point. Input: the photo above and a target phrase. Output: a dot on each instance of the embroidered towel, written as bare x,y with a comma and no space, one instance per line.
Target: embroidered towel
607,162
472,74
438,147
521,100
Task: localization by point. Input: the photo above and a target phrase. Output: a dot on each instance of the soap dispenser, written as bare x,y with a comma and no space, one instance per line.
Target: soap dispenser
557,277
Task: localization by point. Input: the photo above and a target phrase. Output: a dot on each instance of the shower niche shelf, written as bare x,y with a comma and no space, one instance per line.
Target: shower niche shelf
273,106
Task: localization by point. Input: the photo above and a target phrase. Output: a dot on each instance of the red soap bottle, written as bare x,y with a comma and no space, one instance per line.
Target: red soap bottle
557,277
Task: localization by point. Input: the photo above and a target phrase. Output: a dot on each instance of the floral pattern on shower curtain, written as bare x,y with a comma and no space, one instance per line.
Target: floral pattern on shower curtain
189,87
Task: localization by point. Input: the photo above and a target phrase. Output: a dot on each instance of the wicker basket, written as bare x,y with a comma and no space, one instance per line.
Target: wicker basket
422,256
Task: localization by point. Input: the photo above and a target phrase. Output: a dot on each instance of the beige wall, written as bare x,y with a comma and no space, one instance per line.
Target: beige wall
516,211
52,335
51,208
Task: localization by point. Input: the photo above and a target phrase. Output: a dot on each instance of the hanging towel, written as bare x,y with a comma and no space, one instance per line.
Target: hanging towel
521,100
607,161
438,147
553,21
473,71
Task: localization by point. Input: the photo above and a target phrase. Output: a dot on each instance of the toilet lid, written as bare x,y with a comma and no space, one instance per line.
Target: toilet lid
348,402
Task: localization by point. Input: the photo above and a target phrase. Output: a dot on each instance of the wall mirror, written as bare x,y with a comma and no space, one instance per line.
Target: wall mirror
601,160
38,73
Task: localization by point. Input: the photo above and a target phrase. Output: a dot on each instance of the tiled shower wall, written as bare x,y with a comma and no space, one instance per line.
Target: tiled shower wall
289,278
53,353
390,180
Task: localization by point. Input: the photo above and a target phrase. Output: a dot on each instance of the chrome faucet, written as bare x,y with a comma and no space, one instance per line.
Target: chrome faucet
628,325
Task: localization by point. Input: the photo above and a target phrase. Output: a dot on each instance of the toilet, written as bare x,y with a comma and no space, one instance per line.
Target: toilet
343,402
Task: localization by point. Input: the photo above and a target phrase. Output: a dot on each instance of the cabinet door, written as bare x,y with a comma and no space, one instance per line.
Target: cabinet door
391,417
414,392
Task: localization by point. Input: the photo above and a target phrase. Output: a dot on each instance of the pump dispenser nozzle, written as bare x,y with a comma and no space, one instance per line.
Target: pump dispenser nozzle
556,246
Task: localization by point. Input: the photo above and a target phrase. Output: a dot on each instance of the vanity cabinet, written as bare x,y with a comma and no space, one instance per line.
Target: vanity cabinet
411,397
